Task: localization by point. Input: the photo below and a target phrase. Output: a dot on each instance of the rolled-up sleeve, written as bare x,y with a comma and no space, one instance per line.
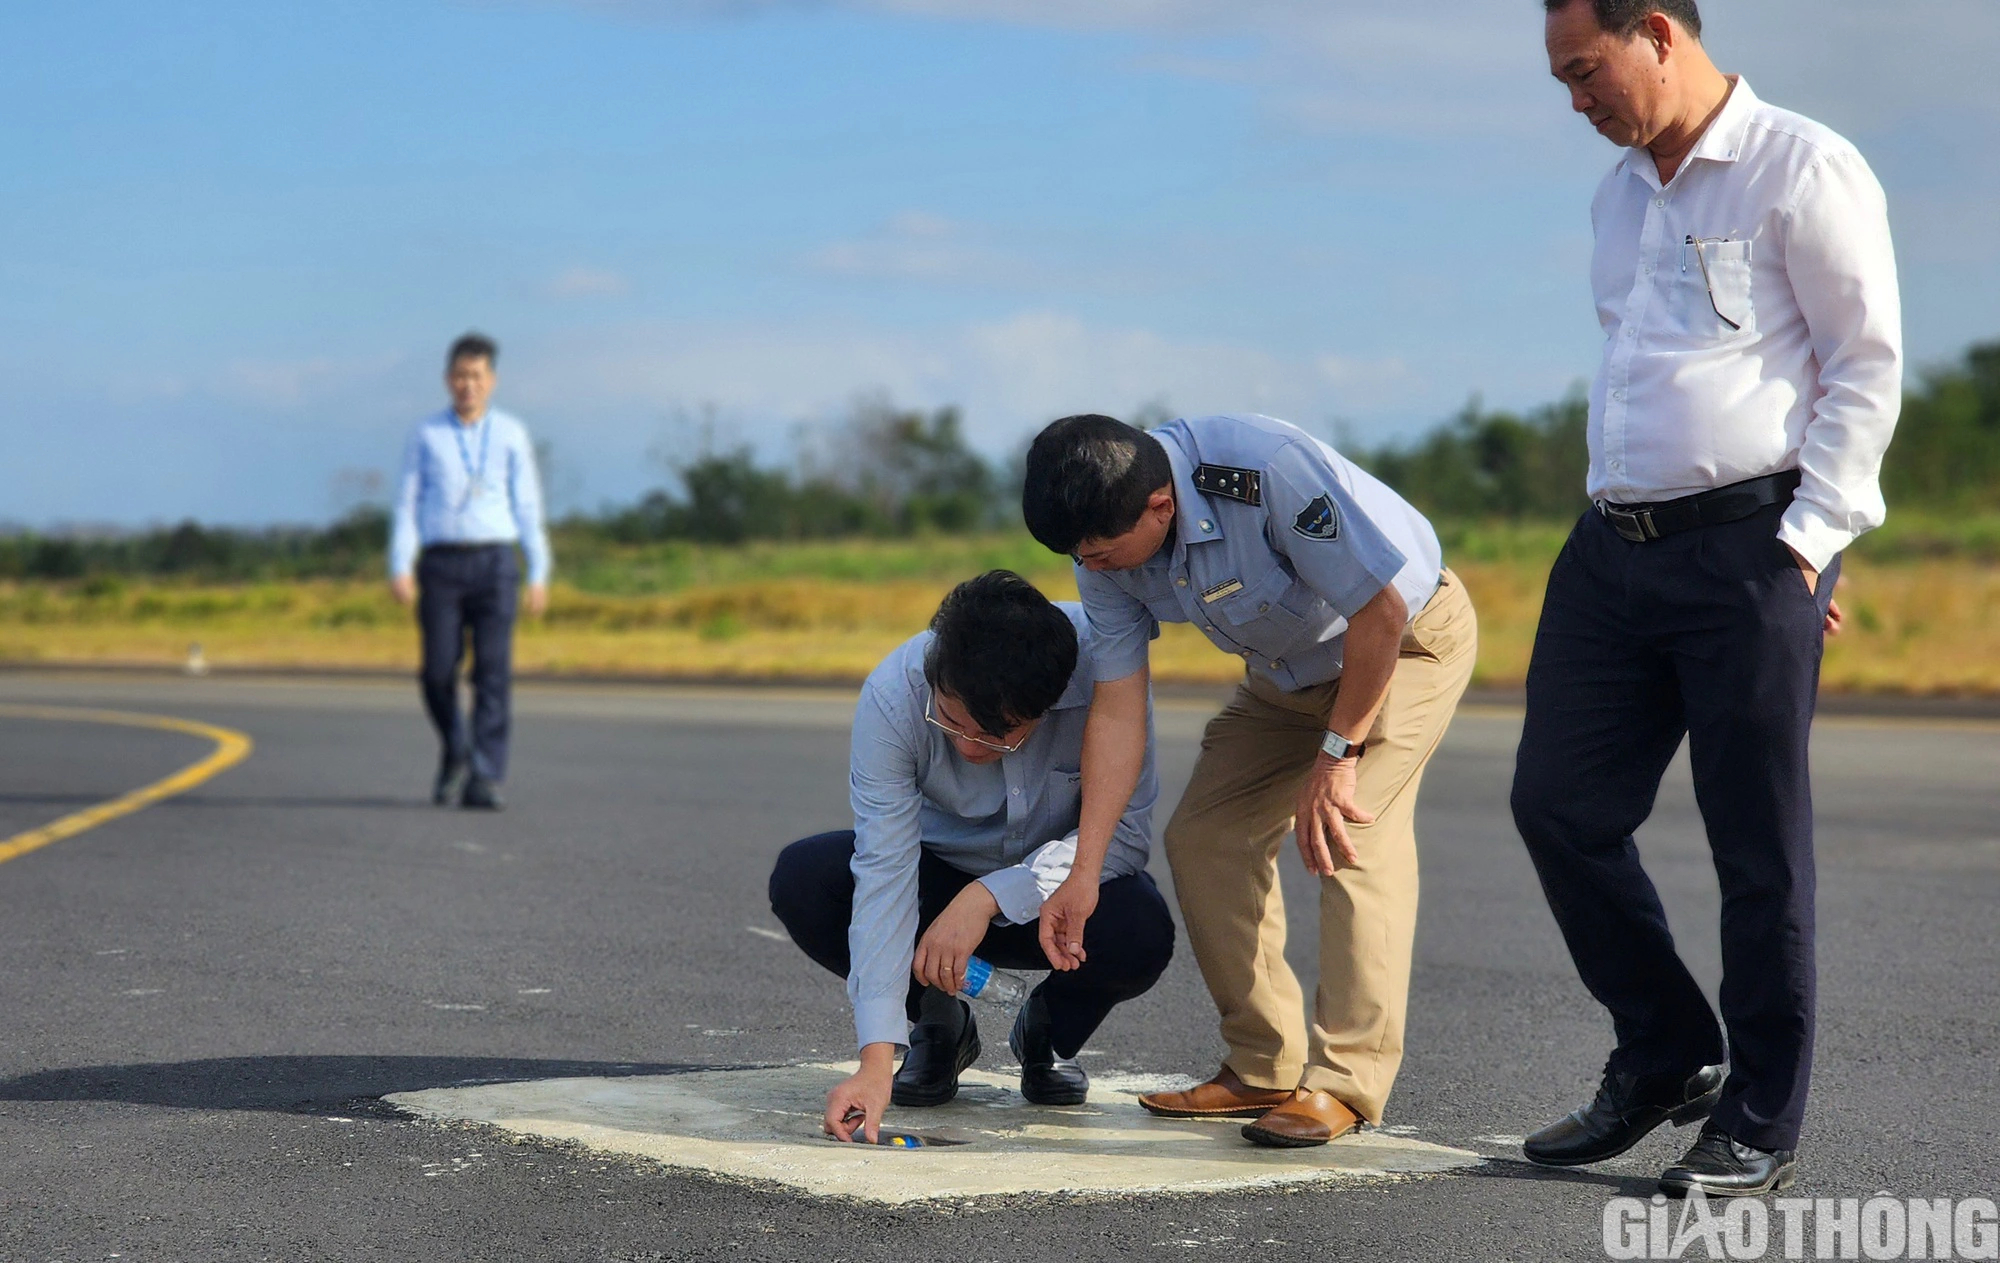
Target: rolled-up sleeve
1122,628
1020,889
1842,266
881,936
1336,549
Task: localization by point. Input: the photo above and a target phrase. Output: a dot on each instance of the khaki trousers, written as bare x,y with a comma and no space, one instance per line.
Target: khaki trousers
1222,844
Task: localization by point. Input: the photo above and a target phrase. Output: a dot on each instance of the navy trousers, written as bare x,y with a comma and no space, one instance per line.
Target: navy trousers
469,592
1713,635
1128,940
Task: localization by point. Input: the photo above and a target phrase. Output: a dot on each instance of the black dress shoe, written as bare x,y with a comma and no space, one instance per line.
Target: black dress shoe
939,1053
480,794
1046,1079
450,780
1724,1167
1626,1109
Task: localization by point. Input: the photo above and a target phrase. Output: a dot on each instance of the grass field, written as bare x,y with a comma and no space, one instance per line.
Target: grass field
1924,616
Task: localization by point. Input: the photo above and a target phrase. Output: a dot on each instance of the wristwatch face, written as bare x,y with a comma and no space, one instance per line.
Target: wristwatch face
1336,745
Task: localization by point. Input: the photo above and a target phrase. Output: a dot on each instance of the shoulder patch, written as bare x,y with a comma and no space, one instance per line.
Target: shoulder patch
1231,483
1318,520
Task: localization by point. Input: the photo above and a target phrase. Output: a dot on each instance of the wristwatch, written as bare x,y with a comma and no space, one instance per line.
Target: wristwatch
1340,747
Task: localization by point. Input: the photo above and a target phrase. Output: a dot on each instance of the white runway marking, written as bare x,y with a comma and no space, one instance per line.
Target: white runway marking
460,1008
773,935
765,1125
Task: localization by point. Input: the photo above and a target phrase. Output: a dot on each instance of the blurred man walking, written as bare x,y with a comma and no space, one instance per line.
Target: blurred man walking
1751,379
468,494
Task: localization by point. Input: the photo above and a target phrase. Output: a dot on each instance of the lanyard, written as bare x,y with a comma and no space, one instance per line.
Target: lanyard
474,478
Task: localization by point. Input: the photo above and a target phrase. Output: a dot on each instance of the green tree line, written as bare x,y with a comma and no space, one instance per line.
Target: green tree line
890,473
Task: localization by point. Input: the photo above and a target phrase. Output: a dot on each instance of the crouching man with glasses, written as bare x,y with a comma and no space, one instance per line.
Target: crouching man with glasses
965,779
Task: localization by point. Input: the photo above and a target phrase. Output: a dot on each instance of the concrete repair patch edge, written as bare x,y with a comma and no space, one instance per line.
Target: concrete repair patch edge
762,1125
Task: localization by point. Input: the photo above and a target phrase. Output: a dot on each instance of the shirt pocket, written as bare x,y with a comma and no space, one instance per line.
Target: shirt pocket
1264,615
1065,795
1719,286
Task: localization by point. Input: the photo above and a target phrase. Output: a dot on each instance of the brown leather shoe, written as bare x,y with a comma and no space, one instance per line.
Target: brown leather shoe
1224,1096
1309,1118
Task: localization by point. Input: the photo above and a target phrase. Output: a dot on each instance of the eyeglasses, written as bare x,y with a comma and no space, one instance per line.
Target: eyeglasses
930,717
1701,245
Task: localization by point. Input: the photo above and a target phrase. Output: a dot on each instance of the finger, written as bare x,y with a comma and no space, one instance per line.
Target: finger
838,1116
1349,857
1352,811
871,1125
1323,843
1048,937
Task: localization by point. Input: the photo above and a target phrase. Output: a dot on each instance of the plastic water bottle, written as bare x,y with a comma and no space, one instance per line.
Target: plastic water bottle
998,987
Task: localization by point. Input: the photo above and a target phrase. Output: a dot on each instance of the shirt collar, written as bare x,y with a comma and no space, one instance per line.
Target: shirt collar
1195,519
1722,142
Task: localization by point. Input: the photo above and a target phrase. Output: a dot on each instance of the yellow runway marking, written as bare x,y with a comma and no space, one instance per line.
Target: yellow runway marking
231,748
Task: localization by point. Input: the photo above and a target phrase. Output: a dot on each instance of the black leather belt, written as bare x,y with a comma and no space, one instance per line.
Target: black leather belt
467,546
1641,522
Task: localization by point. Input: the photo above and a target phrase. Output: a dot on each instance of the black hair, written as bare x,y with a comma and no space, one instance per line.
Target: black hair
474,346
1089,477
1625,17
1002,649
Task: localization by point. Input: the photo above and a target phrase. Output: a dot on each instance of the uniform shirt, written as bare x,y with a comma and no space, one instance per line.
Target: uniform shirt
1796,238
1274,582
912,792
469,484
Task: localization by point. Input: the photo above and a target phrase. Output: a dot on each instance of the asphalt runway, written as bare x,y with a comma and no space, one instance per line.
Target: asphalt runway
203,1000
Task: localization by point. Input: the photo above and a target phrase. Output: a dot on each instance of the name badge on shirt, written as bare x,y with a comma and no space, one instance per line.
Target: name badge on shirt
1220,590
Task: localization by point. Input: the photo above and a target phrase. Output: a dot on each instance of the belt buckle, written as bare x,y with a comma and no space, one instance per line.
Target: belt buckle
1634,526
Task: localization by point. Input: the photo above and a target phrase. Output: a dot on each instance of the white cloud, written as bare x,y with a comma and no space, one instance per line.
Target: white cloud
1009,375
913,246
1476,67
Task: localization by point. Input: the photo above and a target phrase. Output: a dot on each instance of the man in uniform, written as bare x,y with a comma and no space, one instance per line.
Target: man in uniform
467,495
964,782
1357,647
1751,378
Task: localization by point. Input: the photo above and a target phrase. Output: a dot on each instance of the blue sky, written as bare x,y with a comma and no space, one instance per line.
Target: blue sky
236,237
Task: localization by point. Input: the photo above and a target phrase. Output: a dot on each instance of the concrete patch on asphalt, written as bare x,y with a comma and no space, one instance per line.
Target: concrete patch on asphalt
765,1124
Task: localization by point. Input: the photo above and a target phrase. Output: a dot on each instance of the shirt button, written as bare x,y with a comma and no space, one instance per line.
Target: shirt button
1618,394
1277,664
1181,582
1015,792
1649,269
1207,525
1262,606
1659,201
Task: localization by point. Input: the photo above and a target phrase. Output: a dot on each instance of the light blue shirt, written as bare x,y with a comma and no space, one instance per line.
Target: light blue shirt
469,484
1273,582
1011,823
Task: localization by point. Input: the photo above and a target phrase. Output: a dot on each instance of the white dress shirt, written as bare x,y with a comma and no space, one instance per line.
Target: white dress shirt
1010,823
1795,235
468,484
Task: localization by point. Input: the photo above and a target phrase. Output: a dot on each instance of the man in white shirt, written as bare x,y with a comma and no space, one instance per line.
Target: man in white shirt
1751,379
468,494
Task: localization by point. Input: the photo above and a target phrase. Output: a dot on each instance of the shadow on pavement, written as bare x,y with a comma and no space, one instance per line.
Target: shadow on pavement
1517,1169
300,1084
